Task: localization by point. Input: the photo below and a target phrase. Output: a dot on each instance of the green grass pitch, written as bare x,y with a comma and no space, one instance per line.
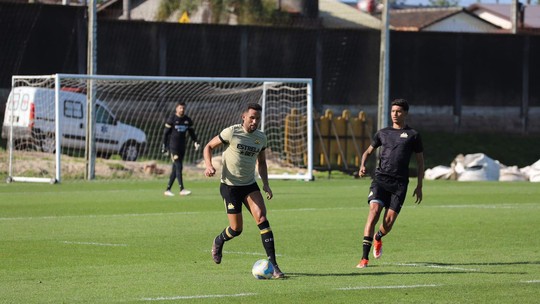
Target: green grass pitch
124,242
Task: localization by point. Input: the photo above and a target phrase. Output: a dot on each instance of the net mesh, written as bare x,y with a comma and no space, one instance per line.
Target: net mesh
129,117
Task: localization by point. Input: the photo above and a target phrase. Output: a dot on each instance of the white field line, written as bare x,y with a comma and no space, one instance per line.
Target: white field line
93,216
197,297
433,266
531,281
94,244
149,214
502,206
388,287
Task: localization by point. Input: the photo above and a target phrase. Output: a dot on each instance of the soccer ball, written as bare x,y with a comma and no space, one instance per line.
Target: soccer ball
262,269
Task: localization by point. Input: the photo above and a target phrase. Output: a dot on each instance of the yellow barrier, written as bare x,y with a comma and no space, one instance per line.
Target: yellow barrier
360,140
325,128
338,141
295,137
341,140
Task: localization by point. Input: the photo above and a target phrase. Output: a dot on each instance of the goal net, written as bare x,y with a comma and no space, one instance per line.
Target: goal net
47,118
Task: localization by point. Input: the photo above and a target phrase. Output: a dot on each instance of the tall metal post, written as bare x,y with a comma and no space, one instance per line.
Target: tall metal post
90,153
57,131
515,12
126,5
384,64
525,78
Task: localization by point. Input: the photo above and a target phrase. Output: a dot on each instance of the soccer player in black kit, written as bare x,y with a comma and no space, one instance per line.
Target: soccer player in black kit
389,186
174,140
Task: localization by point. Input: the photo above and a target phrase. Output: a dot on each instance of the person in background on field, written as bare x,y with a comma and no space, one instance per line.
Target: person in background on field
174,140
389,186
244,148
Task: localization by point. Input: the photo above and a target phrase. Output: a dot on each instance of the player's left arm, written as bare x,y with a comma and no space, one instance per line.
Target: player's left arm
263,173
420,165
191,131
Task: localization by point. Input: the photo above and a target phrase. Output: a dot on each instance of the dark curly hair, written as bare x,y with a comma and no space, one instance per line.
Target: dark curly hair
401,103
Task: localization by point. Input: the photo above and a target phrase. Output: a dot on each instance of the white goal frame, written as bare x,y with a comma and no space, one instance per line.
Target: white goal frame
305,174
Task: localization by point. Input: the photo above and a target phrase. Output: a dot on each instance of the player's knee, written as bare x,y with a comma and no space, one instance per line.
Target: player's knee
376,204
260,219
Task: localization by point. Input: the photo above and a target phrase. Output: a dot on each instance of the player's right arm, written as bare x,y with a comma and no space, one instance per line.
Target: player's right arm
207,154
365,156
166,135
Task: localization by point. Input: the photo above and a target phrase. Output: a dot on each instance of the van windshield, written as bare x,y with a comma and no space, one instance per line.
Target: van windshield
103,116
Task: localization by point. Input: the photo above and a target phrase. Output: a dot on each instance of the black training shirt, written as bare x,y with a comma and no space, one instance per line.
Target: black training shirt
174,135
397,146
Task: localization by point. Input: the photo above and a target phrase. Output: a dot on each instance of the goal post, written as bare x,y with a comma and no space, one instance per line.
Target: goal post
46,123
289,128
19,121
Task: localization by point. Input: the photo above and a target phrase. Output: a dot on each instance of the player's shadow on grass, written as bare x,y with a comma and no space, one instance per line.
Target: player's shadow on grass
365,273
433,265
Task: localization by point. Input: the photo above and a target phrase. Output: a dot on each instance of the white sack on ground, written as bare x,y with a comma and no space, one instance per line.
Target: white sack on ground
534,172
512,174
438,172
476,167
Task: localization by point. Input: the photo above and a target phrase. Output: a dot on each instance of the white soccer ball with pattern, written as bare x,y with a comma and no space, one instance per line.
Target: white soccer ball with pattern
262,269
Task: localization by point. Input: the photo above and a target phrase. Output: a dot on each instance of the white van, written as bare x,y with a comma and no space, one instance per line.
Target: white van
33,113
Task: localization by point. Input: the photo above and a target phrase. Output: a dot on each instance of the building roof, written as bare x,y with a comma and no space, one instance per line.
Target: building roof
418,18
500,14
442,19
445,19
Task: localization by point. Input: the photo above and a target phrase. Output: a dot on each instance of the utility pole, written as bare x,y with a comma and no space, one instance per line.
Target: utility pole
384,64
515,16
90,154
126,5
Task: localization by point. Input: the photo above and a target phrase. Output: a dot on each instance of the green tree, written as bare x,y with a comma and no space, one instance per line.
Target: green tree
256,12
168,7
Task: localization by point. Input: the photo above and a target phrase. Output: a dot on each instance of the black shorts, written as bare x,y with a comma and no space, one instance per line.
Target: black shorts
234,196
390,193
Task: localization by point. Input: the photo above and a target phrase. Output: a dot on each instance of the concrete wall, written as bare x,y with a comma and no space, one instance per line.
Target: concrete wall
454,81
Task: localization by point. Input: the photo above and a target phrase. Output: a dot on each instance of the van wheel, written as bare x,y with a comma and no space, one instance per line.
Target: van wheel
130,151
26,145
48,144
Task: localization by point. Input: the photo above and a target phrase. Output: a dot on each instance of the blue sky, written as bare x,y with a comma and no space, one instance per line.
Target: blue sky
461,2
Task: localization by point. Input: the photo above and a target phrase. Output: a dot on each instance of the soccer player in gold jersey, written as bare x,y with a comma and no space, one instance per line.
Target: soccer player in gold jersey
244,150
